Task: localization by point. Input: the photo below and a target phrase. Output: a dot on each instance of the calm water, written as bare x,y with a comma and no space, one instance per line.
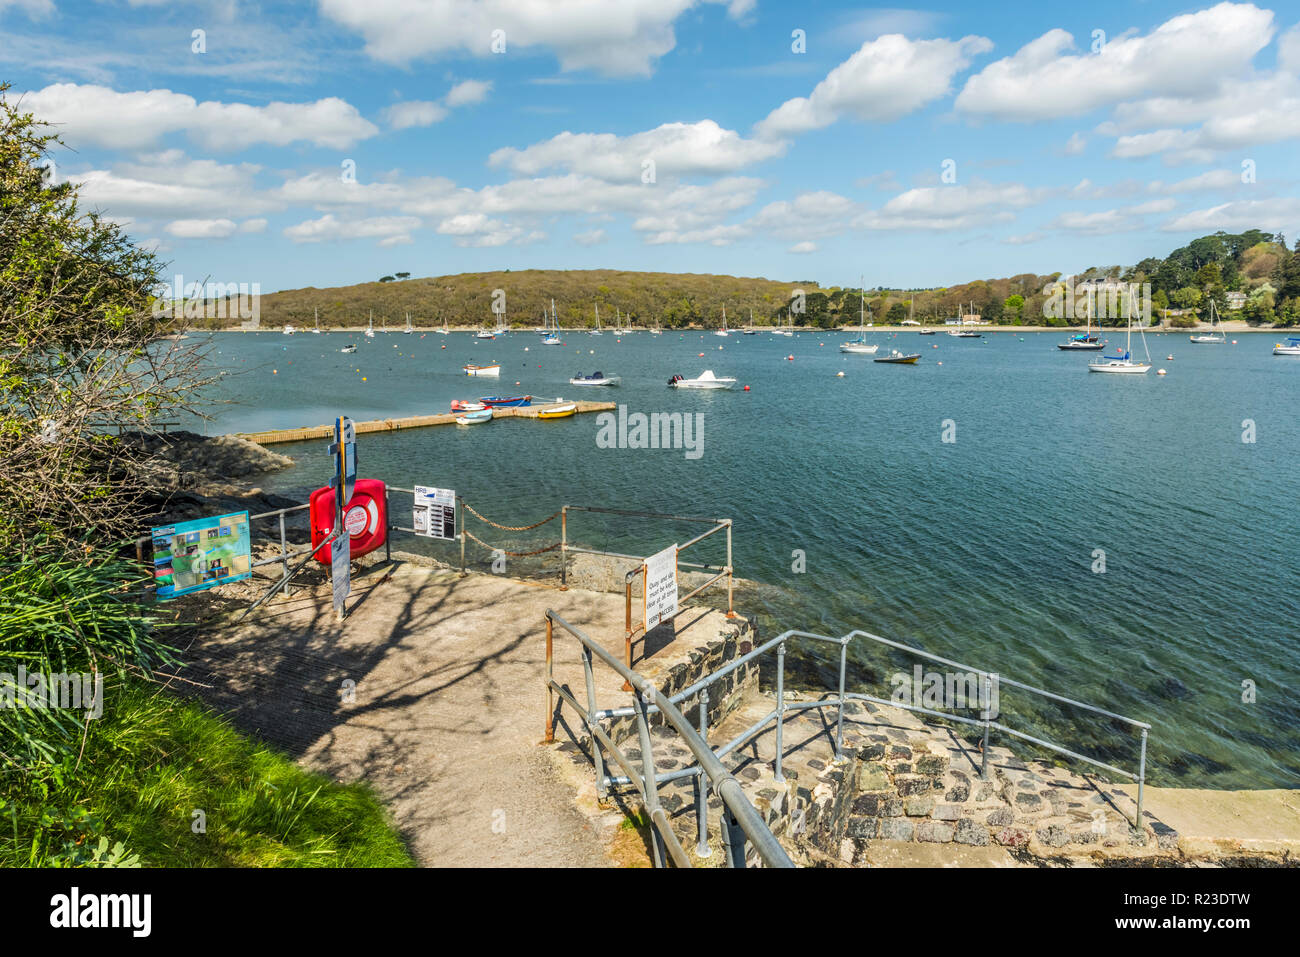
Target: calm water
981,549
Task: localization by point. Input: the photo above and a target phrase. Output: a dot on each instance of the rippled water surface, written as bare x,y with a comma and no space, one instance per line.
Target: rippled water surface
981,549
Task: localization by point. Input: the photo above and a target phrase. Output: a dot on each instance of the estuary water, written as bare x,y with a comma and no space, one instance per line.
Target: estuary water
1129,541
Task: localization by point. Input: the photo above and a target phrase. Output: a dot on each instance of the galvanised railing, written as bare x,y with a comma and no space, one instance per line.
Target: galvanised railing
987,721
741,822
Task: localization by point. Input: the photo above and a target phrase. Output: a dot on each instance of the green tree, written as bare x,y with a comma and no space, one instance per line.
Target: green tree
79,349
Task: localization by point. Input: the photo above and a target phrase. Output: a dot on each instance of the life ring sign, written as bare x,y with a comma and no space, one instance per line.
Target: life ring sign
365,519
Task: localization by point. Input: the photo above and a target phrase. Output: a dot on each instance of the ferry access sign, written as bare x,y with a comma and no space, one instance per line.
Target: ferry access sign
660,586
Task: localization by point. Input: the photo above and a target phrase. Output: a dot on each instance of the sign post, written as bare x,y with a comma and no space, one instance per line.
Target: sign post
344,480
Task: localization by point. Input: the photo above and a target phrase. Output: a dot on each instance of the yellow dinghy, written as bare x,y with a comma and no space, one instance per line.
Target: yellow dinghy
558,411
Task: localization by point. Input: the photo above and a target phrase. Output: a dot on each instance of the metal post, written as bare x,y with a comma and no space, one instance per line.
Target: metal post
564,547
984,749
780,708
733,838
627,627
839,725
731,611
284,554
597,758
701,786
388,545
550,675
651,795
460,503
1142,776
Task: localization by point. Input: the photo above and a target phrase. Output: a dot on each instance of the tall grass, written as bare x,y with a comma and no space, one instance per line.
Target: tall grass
155,780
67,614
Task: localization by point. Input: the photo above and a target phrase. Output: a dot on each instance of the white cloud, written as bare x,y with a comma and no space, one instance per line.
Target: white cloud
101,116
615,37
1105,222
885,79
1075,145
253,226
34,9
593,237
803,247
403,116
201,228
674,148
329,228
1281,214
952,207
1186,55
468,93
171,186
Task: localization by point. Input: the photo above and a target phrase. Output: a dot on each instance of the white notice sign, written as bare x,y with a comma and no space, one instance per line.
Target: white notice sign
660,586
341,569
435,512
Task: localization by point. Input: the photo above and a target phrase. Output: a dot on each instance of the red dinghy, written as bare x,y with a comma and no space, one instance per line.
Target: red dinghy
466,405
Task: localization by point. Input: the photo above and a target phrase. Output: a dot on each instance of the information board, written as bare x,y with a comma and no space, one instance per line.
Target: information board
191,556
660,586
435,512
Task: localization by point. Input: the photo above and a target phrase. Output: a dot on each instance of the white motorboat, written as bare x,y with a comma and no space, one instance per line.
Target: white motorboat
289,330
485,334
1289,348
596,378
705,380
349,348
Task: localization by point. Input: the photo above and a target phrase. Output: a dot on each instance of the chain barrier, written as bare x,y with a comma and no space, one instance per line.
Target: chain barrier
509,528
549,548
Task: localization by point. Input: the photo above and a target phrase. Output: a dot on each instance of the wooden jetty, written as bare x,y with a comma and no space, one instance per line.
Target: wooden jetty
273,436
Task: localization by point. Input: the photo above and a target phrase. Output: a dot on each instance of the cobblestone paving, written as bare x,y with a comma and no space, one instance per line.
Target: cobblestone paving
900,779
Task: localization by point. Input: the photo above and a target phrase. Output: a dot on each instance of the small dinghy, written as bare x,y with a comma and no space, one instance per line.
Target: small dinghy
899,358
466,405
349,349
504,402
481,370
705,380
558,411
596,378
474,418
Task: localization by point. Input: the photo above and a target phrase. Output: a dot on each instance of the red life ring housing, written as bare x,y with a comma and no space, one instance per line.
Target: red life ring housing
365,518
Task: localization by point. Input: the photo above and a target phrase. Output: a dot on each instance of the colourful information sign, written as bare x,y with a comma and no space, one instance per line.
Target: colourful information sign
191,556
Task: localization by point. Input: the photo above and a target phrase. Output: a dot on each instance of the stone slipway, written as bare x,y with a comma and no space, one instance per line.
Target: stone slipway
1228,823
448,701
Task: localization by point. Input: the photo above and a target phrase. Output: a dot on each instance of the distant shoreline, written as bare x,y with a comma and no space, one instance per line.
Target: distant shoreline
1232,326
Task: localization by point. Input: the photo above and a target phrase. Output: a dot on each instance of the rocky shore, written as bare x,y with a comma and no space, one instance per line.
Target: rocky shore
188,475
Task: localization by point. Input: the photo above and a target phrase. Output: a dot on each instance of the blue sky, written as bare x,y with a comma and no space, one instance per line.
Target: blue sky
915,147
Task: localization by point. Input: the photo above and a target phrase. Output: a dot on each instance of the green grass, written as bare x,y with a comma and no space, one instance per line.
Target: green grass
150,762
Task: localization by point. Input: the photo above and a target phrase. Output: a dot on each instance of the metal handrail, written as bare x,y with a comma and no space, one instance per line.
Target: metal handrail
837,700
743,821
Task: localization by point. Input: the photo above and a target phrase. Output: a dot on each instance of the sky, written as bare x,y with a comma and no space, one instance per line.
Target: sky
337,141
